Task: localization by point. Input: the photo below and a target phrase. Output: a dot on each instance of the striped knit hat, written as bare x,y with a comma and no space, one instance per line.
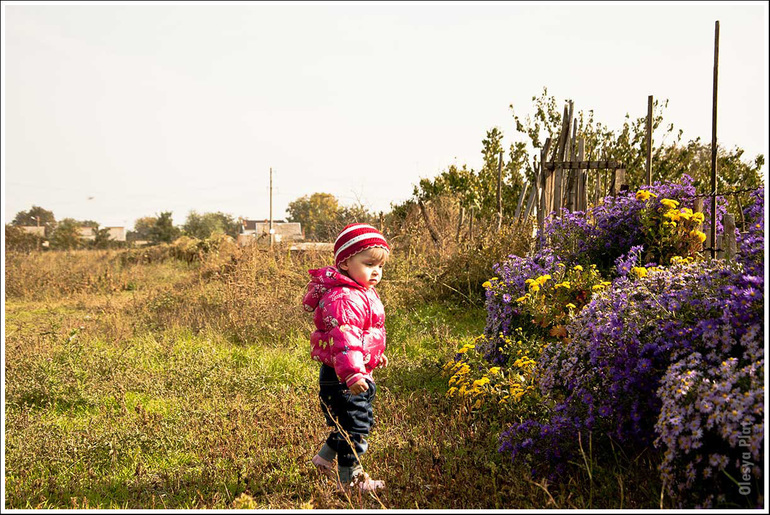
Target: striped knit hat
355,238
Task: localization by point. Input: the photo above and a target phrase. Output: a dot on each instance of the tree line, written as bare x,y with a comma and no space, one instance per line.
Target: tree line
321,214
476,189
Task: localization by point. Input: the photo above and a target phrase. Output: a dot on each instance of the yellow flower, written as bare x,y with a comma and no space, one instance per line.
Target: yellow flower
643,195
673,215
578,268
698,217
481,382
639,271
534,288
698,234
671,204
486,284
522,299
571,306
451,391
494,370
463,350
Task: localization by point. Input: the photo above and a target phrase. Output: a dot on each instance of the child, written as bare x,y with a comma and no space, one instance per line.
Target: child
349,341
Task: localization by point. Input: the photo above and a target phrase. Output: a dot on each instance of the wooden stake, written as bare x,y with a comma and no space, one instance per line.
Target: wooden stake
728,241
520,203
429,223
460,223
714,142
500,193
648,166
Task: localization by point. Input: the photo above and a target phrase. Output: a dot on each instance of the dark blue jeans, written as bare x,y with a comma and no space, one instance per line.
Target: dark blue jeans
353,414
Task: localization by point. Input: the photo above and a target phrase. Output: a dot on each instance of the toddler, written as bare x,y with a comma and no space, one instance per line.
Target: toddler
349,341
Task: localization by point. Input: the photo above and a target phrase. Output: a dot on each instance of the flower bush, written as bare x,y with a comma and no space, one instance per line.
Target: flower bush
478,386
670,357
636,339
645,218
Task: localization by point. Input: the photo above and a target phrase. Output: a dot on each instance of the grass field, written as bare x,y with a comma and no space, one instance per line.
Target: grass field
169,384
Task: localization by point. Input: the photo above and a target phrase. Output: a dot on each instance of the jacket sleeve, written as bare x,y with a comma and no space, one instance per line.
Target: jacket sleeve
347,314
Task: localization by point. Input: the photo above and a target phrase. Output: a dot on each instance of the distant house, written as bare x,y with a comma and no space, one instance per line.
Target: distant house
115,233
252,231
87,233
34,229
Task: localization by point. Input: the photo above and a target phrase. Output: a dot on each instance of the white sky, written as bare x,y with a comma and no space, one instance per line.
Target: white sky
180,106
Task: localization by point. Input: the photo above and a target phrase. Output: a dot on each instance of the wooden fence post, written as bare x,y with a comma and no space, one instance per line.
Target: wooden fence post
698,208
470,228
500,193
533,201
561,154
648,139
460,223
431,228
728,241
524,188
543,190
618,180
582,203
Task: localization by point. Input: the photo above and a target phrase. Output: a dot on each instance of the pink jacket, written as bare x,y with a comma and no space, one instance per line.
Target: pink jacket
350,324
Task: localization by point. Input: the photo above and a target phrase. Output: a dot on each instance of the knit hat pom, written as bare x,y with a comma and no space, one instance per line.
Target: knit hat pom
355,238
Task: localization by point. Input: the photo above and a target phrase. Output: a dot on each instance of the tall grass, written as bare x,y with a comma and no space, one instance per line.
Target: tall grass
186,383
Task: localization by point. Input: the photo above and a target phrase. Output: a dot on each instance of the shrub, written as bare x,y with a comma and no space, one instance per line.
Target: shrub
673,352
619,223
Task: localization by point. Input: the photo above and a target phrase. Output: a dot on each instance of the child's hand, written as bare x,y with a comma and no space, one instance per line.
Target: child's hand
359,386
383,361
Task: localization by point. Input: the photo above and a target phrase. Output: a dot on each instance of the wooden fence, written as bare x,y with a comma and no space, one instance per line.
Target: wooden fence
562,183
562,176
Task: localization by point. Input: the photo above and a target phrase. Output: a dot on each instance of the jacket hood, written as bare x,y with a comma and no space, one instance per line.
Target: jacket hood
323,280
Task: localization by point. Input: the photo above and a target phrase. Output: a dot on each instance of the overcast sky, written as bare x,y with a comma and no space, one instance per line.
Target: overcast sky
114,112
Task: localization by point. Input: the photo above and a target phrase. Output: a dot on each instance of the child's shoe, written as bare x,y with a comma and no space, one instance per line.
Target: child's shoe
324,466
365,483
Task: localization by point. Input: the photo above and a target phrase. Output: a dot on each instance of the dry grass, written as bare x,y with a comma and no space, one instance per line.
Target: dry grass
176,384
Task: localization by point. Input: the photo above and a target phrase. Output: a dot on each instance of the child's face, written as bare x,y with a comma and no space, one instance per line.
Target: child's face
365,268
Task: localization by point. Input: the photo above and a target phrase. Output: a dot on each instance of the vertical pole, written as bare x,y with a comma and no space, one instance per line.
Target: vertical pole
460,223
649,141
270,226
714,144
470,228
37,219
500,193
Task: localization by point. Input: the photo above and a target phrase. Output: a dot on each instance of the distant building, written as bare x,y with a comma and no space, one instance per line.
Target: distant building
34,229
87,233
252,231
115,233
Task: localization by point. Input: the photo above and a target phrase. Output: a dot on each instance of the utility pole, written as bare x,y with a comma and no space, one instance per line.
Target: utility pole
37,219
270,227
